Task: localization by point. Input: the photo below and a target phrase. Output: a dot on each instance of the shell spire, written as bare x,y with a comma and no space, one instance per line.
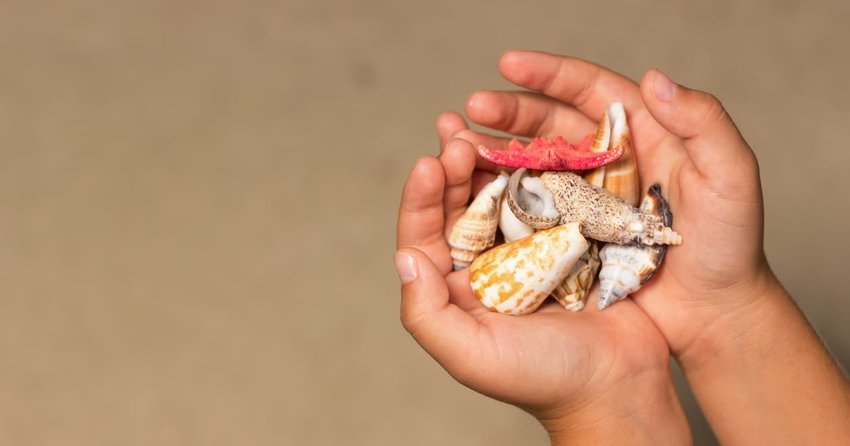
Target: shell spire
475,230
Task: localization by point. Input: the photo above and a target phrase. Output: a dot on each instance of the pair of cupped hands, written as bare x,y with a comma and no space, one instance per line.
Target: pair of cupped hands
577,372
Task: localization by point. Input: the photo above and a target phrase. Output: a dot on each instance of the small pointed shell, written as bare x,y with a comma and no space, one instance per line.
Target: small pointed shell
621,176
512,228
475,230
626,268
601,143
515,278
572,292
602,216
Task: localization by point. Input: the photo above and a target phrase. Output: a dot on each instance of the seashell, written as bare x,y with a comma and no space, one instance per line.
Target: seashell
512,228
601,142
551,154
626,268
475,230
603,216
515,278
619,177
533,197
572,292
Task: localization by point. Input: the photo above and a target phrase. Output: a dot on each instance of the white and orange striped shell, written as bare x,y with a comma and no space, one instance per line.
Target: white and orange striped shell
515,278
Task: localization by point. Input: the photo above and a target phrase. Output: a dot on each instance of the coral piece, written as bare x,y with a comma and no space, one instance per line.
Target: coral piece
626,268
515,278
475,230
550,154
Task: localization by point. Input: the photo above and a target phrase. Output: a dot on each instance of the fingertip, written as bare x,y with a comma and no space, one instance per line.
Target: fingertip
484,108
425,184
449,123
458,160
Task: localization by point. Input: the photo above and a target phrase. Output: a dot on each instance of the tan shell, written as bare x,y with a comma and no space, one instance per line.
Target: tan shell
515,278
602,216
572,292
626,268
475,230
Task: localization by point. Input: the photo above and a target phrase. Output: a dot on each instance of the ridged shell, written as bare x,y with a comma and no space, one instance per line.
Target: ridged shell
573,291
515,278
601,143
626,268
475,230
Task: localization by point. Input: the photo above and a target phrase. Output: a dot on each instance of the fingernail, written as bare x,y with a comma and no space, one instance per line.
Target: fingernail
405,264
663,87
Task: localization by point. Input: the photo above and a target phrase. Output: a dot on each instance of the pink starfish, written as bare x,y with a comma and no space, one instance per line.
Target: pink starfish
548,154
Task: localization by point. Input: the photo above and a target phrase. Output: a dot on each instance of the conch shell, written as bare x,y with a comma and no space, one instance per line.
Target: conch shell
619,177
626,268
602,216
515,278
475,230
572,292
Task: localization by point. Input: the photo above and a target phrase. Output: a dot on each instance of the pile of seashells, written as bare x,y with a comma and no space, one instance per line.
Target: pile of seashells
553,221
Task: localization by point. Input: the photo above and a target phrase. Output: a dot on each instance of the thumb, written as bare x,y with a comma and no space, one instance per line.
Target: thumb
442,329
713,142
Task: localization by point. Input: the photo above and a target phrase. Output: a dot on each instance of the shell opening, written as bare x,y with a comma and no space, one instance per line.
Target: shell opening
531,202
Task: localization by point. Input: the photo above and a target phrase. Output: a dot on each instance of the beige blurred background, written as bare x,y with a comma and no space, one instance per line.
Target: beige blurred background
197,200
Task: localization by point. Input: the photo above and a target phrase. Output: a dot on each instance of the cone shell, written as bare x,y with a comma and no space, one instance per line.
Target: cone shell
572,292
621,176
626,268
475,230
515,278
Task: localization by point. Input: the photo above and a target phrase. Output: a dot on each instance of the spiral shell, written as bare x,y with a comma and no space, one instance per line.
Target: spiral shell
475,230
512,228
573,291
626,268
515,278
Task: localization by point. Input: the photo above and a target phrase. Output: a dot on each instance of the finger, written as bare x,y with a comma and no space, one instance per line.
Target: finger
478,139
587,86
442,329
713,142
527,114
420,218
460,293
458,160
448,124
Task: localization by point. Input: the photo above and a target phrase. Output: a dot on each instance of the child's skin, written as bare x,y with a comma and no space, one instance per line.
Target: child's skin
758,369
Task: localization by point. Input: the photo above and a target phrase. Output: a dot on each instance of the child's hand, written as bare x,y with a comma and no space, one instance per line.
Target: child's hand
683,140
590,375
758,369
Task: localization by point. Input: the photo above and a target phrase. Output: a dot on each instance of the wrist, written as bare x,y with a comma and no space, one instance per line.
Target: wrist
638,411
741,324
